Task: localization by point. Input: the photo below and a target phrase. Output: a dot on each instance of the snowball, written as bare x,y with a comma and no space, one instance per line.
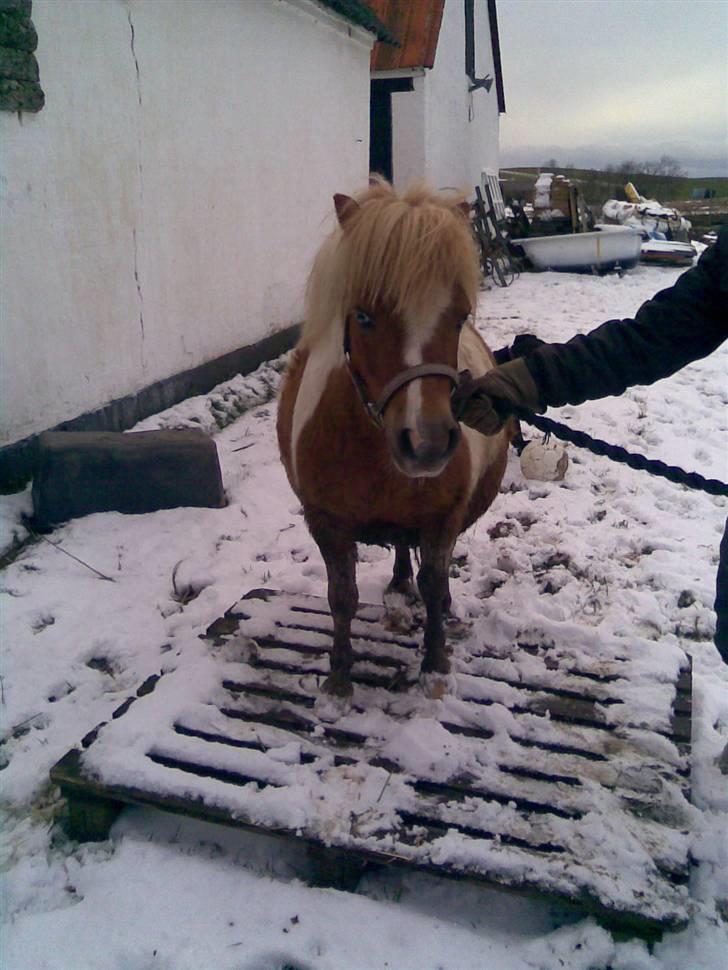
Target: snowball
544,461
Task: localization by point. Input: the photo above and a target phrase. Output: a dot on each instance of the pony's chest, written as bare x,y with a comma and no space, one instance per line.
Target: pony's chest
341,458
344,468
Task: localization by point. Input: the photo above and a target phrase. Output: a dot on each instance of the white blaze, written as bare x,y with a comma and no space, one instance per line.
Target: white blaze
420,328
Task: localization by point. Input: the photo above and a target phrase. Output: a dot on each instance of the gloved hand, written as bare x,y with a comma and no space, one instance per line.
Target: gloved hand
486,402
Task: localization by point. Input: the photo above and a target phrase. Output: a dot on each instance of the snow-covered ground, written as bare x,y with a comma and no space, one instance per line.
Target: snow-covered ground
609,552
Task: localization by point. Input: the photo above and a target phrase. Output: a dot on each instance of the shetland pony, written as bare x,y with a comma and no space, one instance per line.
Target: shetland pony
365,426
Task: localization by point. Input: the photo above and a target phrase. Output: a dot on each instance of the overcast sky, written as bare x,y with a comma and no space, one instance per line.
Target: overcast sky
599,81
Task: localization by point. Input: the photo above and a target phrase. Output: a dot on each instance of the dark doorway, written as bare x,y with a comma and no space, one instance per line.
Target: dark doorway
380,123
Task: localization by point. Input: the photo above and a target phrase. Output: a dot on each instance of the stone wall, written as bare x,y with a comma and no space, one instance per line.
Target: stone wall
20,88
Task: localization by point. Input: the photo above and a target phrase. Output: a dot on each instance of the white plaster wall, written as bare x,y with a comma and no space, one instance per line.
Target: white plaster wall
441,132
485,127
164,206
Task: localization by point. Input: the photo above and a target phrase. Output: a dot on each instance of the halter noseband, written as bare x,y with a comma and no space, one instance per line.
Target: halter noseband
375,409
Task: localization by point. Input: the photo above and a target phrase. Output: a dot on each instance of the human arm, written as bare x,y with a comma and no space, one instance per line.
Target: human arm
680,324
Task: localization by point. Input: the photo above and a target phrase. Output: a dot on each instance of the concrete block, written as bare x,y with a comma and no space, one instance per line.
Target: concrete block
79,472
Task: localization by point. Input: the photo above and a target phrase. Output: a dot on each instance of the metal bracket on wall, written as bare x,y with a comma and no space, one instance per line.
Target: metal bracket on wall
480,82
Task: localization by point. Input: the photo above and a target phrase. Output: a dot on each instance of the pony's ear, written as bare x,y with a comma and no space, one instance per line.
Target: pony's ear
346,207
464,207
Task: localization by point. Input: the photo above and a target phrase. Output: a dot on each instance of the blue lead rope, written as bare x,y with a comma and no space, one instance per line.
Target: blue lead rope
598,447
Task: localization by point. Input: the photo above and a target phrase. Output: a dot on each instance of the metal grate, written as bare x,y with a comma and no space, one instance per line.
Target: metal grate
543,777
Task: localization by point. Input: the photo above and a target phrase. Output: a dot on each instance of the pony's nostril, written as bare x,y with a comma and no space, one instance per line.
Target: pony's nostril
453,438
429,445
405,443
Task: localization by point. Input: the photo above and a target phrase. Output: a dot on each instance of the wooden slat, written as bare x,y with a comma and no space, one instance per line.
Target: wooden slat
585,755
459,805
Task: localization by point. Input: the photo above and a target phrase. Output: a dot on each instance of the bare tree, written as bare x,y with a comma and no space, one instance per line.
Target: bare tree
668,165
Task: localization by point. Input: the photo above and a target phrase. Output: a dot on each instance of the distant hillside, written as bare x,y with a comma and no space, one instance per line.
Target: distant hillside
597,186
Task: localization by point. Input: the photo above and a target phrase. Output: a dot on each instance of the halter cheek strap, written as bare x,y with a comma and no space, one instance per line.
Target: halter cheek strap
375,409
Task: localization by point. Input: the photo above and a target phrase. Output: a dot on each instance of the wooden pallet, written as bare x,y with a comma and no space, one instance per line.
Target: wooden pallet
540,772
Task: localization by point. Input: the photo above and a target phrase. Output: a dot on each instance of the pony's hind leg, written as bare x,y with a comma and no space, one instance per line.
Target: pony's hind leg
339,555
401,581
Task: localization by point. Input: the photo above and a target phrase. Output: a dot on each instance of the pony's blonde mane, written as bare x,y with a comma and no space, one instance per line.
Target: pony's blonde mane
396,251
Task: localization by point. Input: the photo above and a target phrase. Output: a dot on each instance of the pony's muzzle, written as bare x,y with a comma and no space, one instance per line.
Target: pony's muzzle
425,450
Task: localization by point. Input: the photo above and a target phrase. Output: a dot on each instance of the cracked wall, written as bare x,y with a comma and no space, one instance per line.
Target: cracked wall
163,208
140,173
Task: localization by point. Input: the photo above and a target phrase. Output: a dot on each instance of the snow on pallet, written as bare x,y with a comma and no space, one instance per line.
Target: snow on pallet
541,771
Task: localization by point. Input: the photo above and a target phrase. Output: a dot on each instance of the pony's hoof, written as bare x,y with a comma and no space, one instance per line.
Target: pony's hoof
436,685
331,707
338,684
399,620
457,629
334,701
398,592
400,612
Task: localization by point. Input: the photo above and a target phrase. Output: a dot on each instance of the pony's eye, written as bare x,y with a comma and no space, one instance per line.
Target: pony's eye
363,319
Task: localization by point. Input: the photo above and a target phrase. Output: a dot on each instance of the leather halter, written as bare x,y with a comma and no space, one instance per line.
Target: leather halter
375,409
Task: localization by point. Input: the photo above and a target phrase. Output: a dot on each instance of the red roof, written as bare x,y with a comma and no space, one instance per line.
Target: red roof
415,24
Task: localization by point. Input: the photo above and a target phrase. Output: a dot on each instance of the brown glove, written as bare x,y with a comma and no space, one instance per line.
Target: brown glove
486,402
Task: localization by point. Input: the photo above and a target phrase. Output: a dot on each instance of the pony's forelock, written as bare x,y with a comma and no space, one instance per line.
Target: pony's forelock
398,251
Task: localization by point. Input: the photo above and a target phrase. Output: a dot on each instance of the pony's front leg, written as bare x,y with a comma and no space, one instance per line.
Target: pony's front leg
432,580
339,555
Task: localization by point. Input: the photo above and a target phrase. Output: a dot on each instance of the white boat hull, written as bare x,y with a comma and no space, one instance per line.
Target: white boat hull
671,253
582,251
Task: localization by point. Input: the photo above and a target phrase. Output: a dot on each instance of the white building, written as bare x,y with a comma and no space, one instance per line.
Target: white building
161,210
437,98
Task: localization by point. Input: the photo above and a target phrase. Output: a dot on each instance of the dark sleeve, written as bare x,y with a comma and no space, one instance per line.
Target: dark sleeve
679,325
